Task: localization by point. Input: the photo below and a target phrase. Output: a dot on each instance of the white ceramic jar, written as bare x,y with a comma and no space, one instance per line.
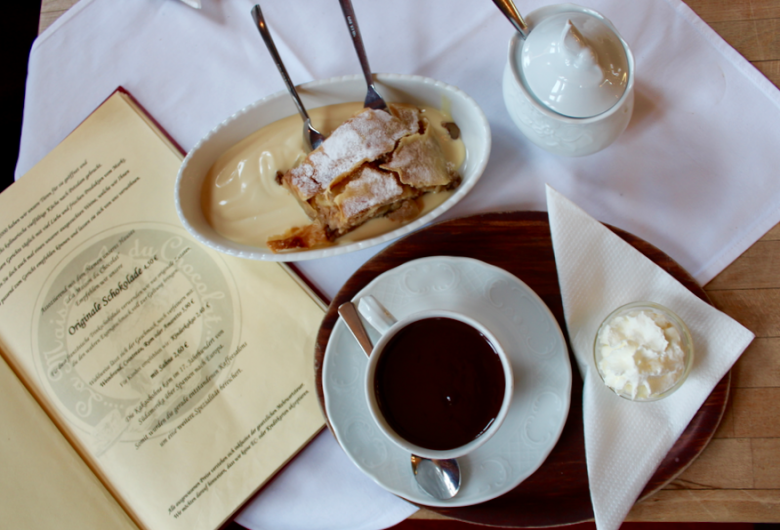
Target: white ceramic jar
569,85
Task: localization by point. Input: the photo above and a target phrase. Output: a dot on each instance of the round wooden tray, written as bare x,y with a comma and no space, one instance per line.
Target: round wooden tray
519,242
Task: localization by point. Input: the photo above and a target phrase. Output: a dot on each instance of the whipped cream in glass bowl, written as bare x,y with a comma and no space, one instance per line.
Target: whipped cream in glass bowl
643,351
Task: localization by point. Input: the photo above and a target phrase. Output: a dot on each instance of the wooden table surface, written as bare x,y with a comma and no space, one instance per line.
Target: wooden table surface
737,477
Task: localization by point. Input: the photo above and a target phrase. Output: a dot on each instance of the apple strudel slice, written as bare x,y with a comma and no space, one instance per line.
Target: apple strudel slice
376,163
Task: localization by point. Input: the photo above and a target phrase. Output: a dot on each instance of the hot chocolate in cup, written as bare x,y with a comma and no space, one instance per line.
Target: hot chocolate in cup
438,383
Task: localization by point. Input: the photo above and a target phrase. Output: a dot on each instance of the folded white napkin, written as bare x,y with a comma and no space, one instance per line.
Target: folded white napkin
624,440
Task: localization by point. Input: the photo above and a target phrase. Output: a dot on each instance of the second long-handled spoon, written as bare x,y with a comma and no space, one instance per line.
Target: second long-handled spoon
312,137
373,99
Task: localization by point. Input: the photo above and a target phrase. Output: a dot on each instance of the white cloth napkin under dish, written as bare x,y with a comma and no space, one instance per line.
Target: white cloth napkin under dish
624,440
695,173
702,146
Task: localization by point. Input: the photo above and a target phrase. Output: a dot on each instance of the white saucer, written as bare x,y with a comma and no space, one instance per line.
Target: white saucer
520,321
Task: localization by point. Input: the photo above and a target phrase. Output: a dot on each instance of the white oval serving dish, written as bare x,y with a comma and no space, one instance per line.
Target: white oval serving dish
474,128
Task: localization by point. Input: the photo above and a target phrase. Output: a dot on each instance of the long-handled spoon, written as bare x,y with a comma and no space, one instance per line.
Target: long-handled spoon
311,136
510,11
438,478
373,99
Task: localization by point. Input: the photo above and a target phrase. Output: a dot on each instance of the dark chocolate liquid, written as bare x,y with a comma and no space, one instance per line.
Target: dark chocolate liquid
439,383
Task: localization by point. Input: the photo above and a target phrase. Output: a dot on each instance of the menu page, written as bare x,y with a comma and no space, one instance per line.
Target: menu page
40,468
183,376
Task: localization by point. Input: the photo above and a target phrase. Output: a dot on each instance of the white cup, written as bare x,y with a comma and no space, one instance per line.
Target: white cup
389,327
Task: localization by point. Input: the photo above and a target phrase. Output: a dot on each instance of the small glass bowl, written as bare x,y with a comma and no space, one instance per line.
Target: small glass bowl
686,344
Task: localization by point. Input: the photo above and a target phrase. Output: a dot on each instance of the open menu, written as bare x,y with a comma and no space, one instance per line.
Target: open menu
181,376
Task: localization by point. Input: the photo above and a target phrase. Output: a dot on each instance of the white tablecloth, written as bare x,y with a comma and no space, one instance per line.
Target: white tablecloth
696,172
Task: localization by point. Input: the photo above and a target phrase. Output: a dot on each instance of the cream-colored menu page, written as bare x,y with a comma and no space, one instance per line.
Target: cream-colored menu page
41,469
184,377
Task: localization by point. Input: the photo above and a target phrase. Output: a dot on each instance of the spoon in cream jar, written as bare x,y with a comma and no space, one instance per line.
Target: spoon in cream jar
508,8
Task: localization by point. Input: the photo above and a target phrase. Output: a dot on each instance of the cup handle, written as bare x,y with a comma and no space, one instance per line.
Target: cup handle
376,314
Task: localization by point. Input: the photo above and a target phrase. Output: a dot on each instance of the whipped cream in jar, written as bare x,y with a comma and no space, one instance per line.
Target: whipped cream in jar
568,85
643,351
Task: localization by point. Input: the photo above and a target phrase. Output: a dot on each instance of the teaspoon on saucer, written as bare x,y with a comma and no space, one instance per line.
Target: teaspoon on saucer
373,99
438,478
311,136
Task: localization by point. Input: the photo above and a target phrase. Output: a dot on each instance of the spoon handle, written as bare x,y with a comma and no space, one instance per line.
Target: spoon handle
508,8
349,313
373,99
257,15
313,137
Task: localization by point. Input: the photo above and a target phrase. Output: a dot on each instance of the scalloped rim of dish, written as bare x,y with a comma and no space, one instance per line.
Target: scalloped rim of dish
477,156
